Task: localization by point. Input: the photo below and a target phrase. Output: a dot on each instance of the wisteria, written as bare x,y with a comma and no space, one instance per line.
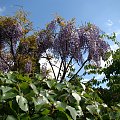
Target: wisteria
28,67
92,43
67,42
46,37
10,32
63,38
71,42
9,28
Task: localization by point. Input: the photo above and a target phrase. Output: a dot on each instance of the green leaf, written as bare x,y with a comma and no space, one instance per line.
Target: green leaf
59,86
50,83
76,96
34,88
39,102
10,117
73,112
5,89
60,106
8,95
91,109
45,112
83,86
79,111
22,102
7,92
45,118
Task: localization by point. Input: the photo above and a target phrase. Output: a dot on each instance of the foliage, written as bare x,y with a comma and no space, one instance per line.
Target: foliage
112,73
25,98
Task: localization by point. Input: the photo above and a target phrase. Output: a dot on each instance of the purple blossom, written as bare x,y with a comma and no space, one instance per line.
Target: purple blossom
51,27
69,41
10,28
28,67
46,37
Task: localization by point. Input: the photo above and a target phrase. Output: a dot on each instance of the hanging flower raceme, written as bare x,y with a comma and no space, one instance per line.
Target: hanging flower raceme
46,37
92,43
67,43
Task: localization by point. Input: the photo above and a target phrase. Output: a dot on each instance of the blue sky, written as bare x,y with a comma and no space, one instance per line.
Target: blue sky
103,13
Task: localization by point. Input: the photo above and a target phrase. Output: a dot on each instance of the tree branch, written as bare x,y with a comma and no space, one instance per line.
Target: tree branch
65,69
59,69
78,70
5,62
51,66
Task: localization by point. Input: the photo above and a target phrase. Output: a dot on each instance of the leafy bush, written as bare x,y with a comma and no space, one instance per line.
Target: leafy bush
25,98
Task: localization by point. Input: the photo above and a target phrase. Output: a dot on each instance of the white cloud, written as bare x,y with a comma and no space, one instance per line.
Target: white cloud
109,23
2,9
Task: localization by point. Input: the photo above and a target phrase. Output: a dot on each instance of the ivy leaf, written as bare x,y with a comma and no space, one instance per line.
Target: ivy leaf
73,112
93,109
60,106
10,117
22,102
34,88
50,83
40,100
76,96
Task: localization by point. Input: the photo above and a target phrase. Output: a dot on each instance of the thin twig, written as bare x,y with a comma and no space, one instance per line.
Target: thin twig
78,70
69,62
5,62
59,69
64,71
51,66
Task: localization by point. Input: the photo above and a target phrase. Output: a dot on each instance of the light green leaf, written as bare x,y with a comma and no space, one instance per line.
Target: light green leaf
45,112
76,96
50,83
91,109
59,86
83,86
60,106
22,102
10,117
40,100
73,112
34,88
79,112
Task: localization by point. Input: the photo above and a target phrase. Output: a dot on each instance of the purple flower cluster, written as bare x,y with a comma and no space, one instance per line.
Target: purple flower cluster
69,41
28,67
46,37
92,43
10,28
